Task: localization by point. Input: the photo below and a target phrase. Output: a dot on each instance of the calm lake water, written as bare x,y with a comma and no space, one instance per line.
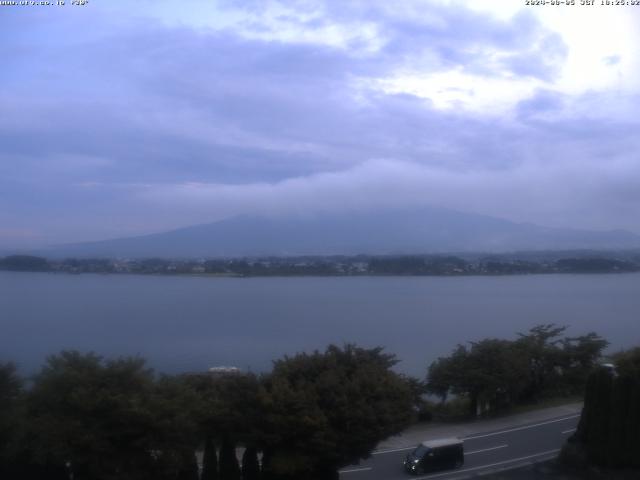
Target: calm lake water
192,323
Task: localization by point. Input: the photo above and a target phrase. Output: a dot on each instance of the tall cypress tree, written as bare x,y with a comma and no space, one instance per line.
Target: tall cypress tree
633,425
598,434
188,467
210,460
229,467
267,468
609,427
250,464
617,450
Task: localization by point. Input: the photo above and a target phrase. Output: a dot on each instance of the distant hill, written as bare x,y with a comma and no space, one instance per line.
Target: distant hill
427,230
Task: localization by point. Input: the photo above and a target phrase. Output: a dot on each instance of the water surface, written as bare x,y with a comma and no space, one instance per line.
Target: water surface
191,323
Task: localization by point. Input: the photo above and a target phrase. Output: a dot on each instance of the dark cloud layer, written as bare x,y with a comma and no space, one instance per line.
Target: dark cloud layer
113,124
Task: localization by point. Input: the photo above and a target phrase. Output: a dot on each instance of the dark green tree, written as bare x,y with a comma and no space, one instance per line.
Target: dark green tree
250,464
418,389
444,373
624,429
541,347
229,414
175,430
91,415
490,373
109,419
498,373
229,466
593,427
188,468
627,362
579,356
11,419
330,409
209,460
398,266
609,428
24,263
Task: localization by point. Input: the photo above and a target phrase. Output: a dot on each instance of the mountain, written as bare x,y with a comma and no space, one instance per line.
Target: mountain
427,230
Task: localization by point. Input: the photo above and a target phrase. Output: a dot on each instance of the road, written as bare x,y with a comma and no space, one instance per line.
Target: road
484,452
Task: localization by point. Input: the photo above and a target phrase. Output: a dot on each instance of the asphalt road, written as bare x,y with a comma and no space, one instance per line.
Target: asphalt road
484,452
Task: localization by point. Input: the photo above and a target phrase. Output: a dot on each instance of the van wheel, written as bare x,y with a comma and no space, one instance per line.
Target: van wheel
458,463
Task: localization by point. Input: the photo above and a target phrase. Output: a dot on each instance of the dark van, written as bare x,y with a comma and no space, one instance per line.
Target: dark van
435,455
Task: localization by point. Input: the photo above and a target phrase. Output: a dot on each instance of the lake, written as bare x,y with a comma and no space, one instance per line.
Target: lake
182,323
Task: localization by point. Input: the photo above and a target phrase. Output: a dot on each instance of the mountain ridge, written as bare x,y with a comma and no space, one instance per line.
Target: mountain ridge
417,231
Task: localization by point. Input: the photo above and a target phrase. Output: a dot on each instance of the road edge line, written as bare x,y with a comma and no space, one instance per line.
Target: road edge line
504,462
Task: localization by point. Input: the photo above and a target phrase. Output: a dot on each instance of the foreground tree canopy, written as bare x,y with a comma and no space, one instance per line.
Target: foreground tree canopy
330,409
93,418
609,428
496,374
104,419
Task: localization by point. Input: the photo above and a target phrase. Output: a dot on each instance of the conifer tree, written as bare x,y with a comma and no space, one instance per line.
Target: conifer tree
189,467
210,460
250,464
229,467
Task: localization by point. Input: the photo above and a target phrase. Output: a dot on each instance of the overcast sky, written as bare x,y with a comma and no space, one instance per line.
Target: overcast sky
129,117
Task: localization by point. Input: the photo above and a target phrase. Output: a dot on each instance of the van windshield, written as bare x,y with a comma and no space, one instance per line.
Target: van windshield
420,451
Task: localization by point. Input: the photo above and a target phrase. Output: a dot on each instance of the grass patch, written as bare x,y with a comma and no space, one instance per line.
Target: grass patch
457,409
546,403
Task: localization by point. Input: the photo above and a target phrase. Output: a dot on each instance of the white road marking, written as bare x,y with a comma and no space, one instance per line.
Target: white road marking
513,460
568,431
352,470
473,437
380,452
486,449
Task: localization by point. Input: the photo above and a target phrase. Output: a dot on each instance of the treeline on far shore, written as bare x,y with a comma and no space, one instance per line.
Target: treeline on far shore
85,417
439,265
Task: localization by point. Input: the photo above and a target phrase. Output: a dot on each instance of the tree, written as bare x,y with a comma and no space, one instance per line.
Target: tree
593,426
497,373
444,373
628,362
174,434
188,468
209,460
541,347
397,266
580,356
490,373
229,413
330,409
609,428
250,464
109,418
10,418
24,263
92,415
229,467
418,390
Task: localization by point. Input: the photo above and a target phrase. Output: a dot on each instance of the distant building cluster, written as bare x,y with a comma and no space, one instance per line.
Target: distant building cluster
440,265
224,370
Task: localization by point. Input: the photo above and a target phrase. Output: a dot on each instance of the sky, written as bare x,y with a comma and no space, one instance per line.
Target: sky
121,118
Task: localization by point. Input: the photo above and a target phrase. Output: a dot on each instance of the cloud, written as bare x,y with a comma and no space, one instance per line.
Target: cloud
532,191
136,119
540,103
612,60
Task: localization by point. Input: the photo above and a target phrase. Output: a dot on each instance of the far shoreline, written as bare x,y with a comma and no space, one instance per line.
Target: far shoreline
441,265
